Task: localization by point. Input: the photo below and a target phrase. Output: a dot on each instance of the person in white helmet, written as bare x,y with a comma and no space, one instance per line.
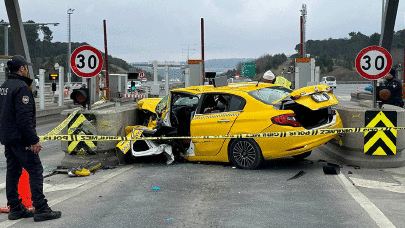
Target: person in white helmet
269,77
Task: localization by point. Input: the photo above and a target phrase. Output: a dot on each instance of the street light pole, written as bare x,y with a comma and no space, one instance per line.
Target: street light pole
69,71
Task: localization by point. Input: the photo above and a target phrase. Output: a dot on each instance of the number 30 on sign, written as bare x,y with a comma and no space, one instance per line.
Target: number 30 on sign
373,62
86,61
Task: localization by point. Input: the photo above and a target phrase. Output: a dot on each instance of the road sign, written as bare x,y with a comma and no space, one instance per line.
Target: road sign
373,62
86,61
249,69
142,74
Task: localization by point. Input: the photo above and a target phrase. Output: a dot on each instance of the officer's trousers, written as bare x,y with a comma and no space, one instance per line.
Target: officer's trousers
20,156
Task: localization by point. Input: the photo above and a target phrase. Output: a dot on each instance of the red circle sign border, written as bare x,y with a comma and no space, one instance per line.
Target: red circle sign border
142,74
73,60
373,48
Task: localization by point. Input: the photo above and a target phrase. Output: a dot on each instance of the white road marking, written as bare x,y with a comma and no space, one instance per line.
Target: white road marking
343,98
77,191
392,187
59,187
365,203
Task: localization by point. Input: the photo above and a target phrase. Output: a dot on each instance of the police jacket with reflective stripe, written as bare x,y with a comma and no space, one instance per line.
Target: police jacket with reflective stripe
17,111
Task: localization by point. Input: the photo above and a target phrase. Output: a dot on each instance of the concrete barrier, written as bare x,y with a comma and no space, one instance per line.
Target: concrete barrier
110,119
352,150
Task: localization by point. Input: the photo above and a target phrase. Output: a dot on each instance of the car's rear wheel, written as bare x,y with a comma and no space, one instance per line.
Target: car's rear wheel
302,156
245,154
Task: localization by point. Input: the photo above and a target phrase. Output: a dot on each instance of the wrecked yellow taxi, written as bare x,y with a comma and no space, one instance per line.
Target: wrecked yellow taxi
237,108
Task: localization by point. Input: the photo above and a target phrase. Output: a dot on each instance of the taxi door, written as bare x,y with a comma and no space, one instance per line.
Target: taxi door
216,122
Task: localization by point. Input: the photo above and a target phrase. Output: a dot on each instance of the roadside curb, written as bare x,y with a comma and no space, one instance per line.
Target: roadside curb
357,157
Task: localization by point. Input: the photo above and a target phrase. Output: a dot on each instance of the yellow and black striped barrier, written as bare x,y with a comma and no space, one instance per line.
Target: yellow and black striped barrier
59,128
284,134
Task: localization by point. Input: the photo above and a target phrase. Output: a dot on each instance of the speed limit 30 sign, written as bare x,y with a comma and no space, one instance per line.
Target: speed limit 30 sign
373,62
86,61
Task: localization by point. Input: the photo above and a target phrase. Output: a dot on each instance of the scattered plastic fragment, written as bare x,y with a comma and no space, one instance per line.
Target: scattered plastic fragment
299,174
108,167
350,172
329,169
155,188
334,165
169,219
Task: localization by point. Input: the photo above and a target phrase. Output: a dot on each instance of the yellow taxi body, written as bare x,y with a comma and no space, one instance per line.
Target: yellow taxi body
247,113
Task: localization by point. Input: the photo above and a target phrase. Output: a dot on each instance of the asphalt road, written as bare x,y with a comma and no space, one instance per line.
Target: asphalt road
284,193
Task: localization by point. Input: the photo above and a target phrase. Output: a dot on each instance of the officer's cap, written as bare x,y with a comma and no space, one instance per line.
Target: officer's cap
17,61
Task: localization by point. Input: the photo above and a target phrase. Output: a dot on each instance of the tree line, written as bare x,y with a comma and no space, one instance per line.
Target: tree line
330,52
44,53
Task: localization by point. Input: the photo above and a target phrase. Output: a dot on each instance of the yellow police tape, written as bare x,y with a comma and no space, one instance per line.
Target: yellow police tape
59,128
257,135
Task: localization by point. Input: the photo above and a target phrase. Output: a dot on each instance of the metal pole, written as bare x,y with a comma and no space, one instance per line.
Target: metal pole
41,89
387,34
69,71
61,87
155,73
202,50
301,38
167,79
6,40
107,81
89,95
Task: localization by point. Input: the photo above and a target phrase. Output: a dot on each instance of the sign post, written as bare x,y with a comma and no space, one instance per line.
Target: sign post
86,62
372,63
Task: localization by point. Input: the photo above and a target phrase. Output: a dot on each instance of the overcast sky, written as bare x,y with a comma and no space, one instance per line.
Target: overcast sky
146,30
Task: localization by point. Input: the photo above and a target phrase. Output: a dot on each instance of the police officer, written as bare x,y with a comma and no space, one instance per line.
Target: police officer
19,137
395,87
269,77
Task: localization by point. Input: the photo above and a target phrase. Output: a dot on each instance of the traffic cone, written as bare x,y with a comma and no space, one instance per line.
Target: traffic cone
357,91
24,190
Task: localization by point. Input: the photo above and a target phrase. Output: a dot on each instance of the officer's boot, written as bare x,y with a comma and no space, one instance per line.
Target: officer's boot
19,211
45,213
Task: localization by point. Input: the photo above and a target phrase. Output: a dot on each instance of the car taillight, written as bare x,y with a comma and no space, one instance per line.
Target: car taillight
286,119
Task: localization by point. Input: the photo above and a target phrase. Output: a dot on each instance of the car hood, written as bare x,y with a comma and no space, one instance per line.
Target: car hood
148,104
313,97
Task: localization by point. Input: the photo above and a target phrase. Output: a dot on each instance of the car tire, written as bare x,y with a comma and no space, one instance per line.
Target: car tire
245,154
302,156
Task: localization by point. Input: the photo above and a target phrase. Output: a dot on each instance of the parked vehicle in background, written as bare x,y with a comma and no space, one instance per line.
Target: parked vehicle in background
329,80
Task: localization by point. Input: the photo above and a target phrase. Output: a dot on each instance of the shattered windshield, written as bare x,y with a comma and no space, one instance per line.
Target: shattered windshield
270,94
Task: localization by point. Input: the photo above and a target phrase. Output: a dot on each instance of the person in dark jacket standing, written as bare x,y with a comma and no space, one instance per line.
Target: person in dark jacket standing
395,87
19,137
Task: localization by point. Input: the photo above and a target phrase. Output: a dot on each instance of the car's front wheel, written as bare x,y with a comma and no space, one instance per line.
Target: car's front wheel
245,154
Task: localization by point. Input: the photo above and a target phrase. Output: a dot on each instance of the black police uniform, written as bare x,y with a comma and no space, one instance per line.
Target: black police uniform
17,134
395,87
